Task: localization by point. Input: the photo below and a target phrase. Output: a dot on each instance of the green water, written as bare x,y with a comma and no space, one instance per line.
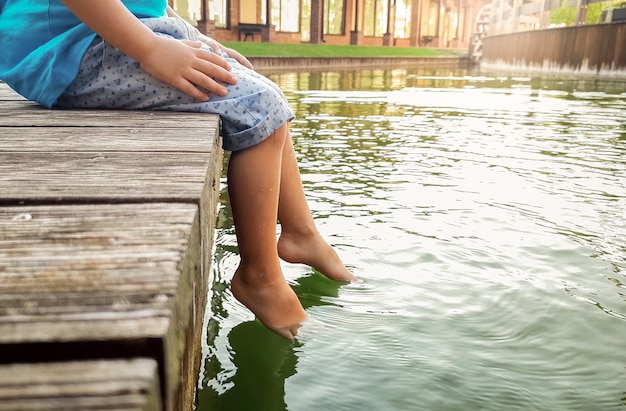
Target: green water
486,218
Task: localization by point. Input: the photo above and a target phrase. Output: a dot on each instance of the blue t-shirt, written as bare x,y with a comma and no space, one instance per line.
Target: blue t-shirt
42,44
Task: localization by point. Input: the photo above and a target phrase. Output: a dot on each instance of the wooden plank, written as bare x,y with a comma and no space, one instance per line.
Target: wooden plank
6,93
29,114
106,227
93,272
93,172
105,280
89,385
15,111
101,177
124,139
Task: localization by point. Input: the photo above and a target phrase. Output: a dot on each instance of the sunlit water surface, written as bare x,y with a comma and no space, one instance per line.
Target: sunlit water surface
485,216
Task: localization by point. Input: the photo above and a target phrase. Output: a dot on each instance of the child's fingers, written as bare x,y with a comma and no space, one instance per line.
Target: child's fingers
189,68
191,90
194,44
212,68
207,83
239,57
213,58
217,47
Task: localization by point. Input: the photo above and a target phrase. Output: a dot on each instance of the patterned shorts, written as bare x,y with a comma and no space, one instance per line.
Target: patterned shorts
252,110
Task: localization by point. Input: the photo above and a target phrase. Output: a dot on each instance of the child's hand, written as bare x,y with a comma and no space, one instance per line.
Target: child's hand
181,64
238,56
219,49
187,67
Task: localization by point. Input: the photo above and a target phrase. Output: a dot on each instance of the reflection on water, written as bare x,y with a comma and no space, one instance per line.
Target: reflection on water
263,361
485,217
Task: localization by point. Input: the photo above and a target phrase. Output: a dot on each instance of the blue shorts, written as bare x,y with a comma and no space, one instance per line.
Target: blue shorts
252,110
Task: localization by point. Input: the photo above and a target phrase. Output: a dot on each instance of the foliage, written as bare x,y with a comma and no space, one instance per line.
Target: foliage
567,15
594,11
252,49
563,15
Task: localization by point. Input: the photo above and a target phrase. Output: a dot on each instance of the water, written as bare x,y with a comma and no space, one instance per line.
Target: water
485,216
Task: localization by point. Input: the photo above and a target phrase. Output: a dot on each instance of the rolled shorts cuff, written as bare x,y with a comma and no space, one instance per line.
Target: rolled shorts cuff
259,132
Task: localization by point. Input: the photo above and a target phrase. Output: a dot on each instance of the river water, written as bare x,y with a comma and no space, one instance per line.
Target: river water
485,215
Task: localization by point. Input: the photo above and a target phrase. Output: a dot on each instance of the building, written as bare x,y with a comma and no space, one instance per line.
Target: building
408,23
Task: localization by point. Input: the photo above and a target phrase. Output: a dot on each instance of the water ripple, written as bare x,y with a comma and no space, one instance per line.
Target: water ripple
486,222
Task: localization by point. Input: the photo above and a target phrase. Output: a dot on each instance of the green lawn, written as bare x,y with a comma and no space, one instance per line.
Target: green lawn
251,49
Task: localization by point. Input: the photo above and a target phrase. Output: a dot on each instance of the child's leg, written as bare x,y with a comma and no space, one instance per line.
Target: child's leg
253,185
300,242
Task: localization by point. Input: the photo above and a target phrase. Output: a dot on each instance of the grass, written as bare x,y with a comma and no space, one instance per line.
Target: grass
253,49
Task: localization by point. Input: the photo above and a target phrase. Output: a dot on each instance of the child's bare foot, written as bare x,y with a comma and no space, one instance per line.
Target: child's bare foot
313,251
274,303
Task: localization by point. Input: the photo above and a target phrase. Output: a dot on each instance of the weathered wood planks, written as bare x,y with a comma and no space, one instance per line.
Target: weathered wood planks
95,176
81,386
94,272
106,228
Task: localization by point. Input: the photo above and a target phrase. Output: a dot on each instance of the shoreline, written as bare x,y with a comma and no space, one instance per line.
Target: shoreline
324,63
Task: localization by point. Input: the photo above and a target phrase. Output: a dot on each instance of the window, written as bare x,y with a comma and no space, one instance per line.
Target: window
190,10
305,23
403,19
253,11
433,19
333,16
218,11
286,15
375,18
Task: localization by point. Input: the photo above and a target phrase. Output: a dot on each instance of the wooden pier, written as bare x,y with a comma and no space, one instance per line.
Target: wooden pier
106,231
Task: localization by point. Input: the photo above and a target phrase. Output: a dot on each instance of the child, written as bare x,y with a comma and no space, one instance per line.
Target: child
146,57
